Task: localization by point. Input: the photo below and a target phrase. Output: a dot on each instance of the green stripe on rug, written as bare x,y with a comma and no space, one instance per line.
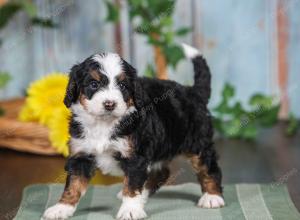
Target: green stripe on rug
33,202
233,209
103,203
179,202
252,202
243,202
279,203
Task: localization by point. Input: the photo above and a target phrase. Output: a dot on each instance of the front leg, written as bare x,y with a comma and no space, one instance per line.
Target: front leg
80,167
134,195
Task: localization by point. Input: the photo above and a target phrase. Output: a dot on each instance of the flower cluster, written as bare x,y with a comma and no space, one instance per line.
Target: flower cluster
44,104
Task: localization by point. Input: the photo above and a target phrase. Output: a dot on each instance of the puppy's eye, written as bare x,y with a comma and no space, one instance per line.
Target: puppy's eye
122,86
94,85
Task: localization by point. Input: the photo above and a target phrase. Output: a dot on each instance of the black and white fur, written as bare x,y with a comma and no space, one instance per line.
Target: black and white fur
147,124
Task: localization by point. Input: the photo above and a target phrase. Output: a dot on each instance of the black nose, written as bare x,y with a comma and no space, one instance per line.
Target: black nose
109,105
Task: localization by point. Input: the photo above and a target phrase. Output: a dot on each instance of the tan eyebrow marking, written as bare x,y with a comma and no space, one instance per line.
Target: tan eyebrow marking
95,75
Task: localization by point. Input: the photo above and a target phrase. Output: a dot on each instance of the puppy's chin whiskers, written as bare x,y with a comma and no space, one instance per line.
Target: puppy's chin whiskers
107,117
114,114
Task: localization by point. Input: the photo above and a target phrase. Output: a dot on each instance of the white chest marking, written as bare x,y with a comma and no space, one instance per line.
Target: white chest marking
97,140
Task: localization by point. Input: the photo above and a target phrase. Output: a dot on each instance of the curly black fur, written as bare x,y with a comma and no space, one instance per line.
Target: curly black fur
172,119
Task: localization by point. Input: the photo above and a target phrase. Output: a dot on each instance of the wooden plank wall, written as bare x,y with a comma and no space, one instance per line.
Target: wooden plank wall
254,44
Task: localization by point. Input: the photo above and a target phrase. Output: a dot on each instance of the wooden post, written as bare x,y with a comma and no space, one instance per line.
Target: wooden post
160,61
2,2
118,32
282,25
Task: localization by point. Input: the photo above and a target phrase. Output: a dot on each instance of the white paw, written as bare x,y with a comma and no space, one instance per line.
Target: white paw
59,211
211,201
120,195
130,212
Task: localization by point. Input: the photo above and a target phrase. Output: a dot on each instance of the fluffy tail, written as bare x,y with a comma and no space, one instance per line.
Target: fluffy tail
202,73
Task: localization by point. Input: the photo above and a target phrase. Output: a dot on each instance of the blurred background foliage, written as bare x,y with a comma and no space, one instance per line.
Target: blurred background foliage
235,121
4,78
153,20
8,9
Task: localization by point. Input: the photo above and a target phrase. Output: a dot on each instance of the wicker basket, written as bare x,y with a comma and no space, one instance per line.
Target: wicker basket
22,136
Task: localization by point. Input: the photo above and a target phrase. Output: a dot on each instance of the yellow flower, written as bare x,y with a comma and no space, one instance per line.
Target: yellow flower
44,104
44,96
26,114
59,130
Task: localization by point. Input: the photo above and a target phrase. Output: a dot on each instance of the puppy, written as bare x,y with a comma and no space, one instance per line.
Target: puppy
122,123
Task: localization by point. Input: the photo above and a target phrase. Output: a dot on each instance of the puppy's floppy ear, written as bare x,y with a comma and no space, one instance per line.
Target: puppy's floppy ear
137,88
128,69
72,92
139,95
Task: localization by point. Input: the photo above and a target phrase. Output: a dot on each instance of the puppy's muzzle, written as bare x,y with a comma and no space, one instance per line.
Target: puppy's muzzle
109,105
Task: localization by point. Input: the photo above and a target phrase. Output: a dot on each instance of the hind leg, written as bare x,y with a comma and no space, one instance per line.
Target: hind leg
209,176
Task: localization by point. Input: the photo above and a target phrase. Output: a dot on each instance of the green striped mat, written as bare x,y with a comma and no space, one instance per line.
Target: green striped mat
243,201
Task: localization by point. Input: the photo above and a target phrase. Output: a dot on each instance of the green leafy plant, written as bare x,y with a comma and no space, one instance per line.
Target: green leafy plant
7,11
150,71
233,121
293,125
4,78
153,19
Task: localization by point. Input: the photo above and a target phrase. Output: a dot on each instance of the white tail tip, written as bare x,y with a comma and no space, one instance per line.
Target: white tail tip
189,51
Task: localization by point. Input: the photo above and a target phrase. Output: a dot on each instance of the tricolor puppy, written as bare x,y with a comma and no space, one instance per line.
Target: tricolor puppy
125,124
